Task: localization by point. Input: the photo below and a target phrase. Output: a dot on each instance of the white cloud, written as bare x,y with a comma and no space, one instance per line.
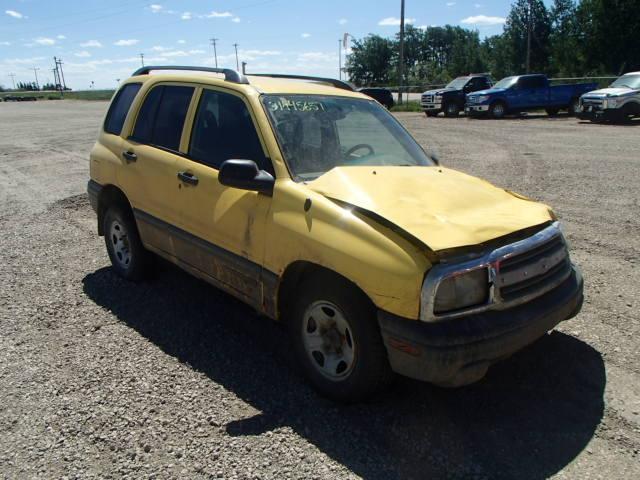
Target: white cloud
14,14
215,14
483,20
61,37
91,44
158,48
261,53
477,5
450,4
182,42
126,43
186,16
6,44
316,56
236,20
393,21
22,61
305,35
343,21
82,54
44,41
155,8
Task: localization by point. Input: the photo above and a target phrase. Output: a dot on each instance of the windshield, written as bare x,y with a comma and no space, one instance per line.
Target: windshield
458,83
506,82
631,81
317,133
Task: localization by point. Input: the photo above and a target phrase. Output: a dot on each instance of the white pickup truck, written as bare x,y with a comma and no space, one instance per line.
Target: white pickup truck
618,102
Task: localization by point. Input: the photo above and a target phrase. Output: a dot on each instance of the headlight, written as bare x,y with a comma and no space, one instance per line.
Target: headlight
610,103
482,98
462,290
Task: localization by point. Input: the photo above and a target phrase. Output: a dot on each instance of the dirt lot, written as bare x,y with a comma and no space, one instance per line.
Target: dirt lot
101,378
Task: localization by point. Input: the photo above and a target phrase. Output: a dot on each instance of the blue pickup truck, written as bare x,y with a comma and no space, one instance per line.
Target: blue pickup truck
525,92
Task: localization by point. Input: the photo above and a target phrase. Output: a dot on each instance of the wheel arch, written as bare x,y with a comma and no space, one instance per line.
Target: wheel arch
110,195
296,273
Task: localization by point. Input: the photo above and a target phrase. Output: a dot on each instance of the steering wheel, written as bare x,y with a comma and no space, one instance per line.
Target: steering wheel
355,148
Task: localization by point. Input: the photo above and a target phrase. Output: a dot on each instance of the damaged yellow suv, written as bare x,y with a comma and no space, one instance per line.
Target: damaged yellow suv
310,202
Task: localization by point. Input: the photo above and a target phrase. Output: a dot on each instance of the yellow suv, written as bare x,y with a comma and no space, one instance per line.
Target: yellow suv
311,203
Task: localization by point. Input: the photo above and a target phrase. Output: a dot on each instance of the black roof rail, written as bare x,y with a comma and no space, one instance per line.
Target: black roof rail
336,83
229,74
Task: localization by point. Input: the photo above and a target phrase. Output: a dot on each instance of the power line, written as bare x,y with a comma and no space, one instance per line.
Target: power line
60,72
215,52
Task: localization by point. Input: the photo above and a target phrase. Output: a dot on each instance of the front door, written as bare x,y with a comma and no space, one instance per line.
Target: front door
224,227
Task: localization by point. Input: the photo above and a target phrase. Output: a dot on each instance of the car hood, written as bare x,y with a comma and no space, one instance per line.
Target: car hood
609,92
439,91
442,208
488,91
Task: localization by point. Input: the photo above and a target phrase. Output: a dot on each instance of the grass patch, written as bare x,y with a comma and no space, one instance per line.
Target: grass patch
68,95
411,106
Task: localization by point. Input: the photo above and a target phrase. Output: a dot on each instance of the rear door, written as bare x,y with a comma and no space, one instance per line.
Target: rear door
150,153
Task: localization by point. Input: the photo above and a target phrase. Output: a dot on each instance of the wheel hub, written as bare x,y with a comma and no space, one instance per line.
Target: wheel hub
120,243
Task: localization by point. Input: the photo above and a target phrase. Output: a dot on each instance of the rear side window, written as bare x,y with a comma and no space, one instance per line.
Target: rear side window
120,107
223,130
161,118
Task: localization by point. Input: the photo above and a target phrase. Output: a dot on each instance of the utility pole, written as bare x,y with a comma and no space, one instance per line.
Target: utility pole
339,59
244,68
13,79
215,52
237,63
142,59
529,37
60,73
401,64
35,71
56,81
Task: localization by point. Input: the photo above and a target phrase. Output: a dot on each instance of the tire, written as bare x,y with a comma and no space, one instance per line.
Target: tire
573,106
552,112
497,110
451,110
128,257
336,339
431,114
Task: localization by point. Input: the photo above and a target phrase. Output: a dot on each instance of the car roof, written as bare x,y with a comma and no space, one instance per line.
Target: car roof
259,84
631,73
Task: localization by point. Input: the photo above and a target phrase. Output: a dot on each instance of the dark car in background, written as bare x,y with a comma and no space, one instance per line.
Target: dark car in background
451,98
526,92
382,95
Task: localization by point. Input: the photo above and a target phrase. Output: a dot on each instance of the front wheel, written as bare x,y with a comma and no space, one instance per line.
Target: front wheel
128,257
552,111
497,110
451,109
431,114
337,341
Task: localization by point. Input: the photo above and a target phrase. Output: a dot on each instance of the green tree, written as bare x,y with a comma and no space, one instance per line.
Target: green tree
516,32
567,55
370,61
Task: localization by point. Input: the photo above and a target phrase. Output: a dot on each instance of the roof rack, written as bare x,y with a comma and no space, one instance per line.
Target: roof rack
332,81
229,74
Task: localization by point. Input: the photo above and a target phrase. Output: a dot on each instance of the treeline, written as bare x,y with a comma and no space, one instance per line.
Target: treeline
33,87
569,39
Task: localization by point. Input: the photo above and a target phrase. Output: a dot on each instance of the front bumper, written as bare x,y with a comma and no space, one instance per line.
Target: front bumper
460,351
432,107
599,115
476,109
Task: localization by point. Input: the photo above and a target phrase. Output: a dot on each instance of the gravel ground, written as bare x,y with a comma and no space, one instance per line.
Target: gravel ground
171,379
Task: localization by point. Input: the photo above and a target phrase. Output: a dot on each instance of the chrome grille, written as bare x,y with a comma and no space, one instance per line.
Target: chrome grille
472,99
592,103
428,98
533,271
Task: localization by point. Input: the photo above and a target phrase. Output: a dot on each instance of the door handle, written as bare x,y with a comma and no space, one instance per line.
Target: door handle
129,156
187,177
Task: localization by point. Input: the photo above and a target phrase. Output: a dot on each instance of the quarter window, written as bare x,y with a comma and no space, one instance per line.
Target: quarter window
161,118
120,107
223,130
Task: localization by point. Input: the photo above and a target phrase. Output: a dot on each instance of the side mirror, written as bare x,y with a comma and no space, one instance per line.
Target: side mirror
246,175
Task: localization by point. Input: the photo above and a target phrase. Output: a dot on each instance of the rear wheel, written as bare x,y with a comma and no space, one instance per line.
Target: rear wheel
574,106
552,111
451,109
497,110
337,341
128,257
431,114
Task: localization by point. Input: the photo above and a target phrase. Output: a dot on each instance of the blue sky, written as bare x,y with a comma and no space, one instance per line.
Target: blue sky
100,41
